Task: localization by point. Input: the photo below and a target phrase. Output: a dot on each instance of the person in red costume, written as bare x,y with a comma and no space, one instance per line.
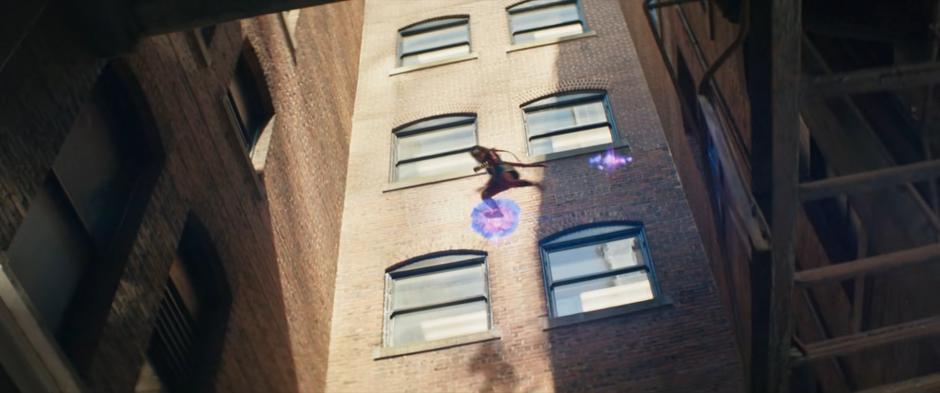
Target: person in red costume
503,175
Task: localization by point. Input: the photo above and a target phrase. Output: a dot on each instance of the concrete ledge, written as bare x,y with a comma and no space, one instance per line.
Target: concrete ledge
570,320
550,41
416,67
391,352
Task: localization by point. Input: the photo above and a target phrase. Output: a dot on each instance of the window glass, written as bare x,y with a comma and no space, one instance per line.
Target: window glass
595,258
67,234
534,4
550,120
189,327
440,323
438,260
433,41
435,147
544,19
602,293
248,96
441,287
441,54
443,165
552,32
563,142
432,24
95,169
597,267
445,296
591,232
568,121
432,142
49,253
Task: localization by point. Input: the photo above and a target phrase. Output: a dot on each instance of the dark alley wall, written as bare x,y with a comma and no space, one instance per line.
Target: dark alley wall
275,228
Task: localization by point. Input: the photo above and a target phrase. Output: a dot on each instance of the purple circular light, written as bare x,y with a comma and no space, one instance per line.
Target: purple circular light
609,160
495,223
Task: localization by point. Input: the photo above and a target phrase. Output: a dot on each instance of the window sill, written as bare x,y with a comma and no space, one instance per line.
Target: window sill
550,41
401,185
259,153
416,67
390,352
576,152
590,316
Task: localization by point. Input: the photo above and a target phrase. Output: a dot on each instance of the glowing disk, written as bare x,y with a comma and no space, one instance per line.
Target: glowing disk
490,224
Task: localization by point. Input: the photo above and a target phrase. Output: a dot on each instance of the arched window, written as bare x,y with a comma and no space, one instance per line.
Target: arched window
433,147
538,20
597,266
82,220
189,326
569,121
436,297
434,40
248,100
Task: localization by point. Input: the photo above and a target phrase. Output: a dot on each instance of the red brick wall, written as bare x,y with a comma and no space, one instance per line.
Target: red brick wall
728,261
687,346
278,250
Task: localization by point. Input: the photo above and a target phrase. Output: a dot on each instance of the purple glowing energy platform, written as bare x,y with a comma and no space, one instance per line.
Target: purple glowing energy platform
609,160
492,224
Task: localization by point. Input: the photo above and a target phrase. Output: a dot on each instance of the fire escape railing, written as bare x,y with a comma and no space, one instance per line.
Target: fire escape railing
787,194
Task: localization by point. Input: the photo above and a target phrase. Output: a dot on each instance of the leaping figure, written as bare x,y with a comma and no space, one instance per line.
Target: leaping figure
503,176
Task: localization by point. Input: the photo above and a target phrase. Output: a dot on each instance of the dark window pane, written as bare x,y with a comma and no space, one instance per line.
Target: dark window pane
435,261
171,344
440,323
247,96
98,166
563,98
590,232
436,122
49,253
207,33
432,24
6,383
534,3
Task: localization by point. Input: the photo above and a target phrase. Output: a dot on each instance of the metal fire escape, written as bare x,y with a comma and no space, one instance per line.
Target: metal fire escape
795,80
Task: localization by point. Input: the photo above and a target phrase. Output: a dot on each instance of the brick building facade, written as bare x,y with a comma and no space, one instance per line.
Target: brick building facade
682,342
268,206
269,220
